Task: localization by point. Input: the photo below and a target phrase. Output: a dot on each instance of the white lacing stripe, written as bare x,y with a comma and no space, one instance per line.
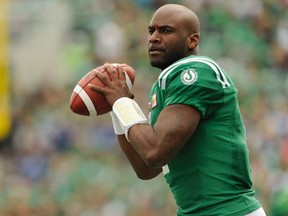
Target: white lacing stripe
86,99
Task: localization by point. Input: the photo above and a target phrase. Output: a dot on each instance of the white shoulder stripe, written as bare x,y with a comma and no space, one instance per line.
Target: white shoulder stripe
210,63
86,99
164,76
218,71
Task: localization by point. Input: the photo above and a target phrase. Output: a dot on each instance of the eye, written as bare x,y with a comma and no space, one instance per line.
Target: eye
167,30
150,31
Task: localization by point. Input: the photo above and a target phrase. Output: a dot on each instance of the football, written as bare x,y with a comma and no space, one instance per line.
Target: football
86,102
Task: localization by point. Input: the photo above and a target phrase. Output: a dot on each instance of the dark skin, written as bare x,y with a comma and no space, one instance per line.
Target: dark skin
173,34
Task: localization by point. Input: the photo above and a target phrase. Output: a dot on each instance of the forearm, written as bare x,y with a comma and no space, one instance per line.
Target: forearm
142,170
156,145
145,141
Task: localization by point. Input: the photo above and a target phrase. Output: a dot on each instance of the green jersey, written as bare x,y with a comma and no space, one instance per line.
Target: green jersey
211,174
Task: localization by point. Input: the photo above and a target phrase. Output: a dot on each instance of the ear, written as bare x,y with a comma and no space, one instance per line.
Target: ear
193,40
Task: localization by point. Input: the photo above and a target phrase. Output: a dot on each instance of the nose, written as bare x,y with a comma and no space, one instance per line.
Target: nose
154,37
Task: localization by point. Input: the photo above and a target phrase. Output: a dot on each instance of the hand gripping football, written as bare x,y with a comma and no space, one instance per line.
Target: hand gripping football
86,102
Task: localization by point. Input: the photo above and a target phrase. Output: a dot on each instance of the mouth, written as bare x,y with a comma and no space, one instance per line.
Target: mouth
155,51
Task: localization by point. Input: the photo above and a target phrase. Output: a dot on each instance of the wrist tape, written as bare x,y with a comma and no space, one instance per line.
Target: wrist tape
116,124
129,113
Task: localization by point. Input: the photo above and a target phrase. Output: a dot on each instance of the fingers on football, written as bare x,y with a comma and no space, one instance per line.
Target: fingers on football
103,77
96,88
111,71
121,72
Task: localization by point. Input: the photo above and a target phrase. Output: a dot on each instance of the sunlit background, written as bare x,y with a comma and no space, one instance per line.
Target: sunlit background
57,163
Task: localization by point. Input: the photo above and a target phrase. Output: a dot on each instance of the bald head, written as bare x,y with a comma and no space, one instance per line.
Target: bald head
180,13
174,33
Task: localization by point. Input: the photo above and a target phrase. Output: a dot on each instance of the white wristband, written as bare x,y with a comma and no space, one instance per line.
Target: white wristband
116,124
129,113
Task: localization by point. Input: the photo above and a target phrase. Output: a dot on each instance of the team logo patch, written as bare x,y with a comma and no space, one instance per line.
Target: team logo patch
154,101
189,76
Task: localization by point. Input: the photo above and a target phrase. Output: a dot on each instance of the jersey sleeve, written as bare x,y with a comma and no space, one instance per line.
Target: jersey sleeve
199,85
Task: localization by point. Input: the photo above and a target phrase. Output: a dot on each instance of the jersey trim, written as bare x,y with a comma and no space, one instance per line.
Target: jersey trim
220,75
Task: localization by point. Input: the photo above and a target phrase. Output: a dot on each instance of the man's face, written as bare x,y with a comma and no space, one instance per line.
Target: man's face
167,41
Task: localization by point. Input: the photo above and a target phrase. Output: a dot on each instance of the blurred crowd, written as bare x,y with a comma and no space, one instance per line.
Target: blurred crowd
57,163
